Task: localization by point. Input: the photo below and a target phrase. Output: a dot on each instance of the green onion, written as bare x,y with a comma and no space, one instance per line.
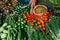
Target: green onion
8,26
5,31
1,29
5,24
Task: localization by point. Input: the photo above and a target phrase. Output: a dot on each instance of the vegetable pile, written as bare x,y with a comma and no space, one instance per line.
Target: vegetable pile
22,25
18,27
37,20
10,29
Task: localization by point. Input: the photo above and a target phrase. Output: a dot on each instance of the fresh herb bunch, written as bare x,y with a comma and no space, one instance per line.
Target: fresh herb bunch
21,8
11,27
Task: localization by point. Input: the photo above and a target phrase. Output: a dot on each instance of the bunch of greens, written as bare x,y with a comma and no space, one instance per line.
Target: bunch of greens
21,8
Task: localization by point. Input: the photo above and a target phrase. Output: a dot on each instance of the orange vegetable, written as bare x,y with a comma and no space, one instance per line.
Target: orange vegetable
43,28
38,22
42,21
43,25
40,26
32,23
46,19
28,21
45,14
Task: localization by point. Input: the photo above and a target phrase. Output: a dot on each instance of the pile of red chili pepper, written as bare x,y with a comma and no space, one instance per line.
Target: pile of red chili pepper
30,18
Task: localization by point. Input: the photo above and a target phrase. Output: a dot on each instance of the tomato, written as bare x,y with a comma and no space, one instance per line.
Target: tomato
43,28
46,19
36,18
38,22
32,23
28,21
43,25
28,18
45,14
42,21
40,26
48,14
27,15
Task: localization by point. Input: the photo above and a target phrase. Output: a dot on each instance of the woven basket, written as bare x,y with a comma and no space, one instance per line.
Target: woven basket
40,14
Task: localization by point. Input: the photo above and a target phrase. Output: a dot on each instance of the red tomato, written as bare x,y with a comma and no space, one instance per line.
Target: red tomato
32,23
40,26
42,21
45,14
46,19
43,28
43,25
28,21
38,22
